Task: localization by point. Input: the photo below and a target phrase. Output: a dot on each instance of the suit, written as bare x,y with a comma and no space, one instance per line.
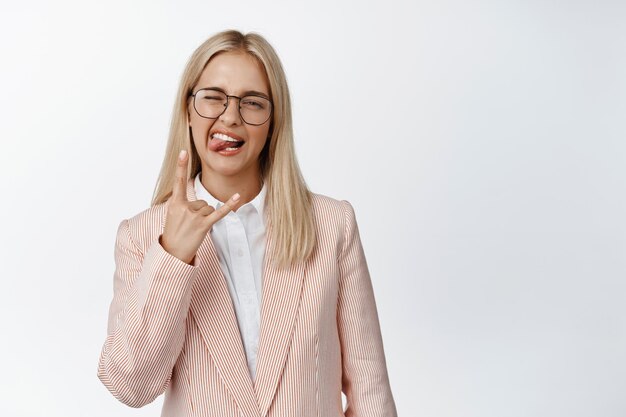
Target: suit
172,328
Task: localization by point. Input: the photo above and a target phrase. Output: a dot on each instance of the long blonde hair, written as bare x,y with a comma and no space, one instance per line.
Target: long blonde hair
288,201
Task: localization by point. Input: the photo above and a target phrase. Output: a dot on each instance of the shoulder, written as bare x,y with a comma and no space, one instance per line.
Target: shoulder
332,211
147,225
335,222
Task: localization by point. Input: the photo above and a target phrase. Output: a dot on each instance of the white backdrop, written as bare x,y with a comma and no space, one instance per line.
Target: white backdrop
488,176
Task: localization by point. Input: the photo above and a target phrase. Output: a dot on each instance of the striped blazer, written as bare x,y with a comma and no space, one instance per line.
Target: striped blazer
172,328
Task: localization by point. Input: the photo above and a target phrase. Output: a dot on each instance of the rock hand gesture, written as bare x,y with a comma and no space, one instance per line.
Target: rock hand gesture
188,222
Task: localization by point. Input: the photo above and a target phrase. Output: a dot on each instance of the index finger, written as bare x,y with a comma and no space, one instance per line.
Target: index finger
179,191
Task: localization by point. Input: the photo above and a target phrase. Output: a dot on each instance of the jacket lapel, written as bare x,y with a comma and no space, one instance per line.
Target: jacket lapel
214,313
282,290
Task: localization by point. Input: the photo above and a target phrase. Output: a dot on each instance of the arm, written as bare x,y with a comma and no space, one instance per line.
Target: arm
146,325
364,381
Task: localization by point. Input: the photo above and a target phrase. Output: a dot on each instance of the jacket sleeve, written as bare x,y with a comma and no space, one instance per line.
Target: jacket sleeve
365,381
146,324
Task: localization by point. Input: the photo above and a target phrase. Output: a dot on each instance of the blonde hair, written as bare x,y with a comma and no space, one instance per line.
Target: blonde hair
288,201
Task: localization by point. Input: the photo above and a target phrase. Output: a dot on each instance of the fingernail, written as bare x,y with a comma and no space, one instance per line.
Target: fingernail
182,154
236,197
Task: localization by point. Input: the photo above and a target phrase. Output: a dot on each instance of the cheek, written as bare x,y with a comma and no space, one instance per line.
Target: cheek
259,143
260,135
200,130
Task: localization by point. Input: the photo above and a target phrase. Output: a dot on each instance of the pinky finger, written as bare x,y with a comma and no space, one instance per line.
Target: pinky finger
224,209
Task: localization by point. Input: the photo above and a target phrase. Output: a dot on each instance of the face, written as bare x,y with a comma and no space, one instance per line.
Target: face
235,73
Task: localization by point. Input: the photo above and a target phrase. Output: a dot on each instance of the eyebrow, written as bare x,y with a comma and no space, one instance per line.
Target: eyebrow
245,93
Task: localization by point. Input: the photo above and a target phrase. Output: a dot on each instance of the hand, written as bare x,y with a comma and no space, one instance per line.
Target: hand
188,222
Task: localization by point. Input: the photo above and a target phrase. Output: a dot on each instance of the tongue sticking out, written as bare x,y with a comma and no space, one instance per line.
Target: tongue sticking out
218,144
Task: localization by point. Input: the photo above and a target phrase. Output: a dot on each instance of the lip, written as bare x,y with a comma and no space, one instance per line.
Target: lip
226,132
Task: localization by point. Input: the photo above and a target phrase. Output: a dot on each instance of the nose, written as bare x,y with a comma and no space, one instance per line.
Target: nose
231,113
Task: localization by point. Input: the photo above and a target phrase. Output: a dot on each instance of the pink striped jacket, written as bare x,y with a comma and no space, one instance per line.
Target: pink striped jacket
172,328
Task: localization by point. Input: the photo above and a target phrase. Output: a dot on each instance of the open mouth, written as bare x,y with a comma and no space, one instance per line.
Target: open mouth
219,142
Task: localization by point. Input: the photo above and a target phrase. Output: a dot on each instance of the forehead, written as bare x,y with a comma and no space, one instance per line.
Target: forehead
234,72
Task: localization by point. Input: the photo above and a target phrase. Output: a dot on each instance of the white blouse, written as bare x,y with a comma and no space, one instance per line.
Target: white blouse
239,240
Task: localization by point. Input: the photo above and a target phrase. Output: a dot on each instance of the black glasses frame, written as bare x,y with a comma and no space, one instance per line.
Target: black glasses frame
228,102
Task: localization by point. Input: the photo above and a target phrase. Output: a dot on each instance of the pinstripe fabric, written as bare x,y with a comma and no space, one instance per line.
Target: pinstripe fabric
172,328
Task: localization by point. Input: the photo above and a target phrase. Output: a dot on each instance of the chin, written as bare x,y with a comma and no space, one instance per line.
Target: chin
225,168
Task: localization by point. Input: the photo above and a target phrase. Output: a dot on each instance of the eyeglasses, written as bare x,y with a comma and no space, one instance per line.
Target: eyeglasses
211,104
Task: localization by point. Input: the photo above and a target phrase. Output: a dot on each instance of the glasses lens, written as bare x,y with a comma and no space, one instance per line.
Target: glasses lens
210,103
255,110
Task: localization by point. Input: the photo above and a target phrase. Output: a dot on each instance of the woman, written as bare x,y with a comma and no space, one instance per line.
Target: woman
259,306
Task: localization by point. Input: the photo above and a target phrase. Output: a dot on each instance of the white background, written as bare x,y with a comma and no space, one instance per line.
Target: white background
481,143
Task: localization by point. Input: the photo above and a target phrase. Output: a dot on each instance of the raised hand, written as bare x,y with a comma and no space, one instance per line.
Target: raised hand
188,222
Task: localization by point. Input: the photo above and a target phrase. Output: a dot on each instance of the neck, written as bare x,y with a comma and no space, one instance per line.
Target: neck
223,187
